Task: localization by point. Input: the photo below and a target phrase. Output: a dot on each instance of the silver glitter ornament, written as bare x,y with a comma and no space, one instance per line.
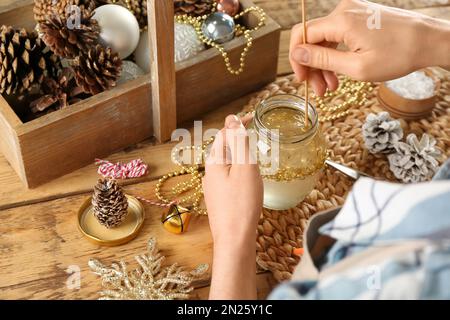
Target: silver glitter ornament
130,71
187,43
219,27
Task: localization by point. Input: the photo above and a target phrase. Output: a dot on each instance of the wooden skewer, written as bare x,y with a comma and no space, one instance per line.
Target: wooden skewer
305,41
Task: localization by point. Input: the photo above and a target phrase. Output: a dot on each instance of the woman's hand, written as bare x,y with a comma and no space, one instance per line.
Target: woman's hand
233,191
403,42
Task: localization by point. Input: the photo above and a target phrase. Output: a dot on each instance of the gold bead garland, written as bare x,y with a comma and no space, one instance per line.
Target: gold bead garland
353,93
197,23
194,184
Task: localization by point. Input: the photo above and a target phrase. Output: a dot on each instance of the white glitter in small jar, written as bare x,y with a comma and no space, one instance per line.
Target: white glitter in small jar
415,86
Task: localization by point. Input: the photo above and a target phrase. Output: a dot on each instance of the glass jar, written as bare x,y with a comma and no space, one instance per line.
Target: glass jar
290,155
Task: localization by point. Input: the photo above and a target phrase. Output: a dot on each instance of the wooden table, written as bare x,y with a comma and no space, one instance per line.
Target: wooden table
39,239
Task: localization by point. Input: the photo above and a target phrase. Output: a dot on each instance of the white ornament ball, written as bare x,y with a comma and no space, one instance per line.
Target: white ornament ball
119,28
142,53
130,71
187,45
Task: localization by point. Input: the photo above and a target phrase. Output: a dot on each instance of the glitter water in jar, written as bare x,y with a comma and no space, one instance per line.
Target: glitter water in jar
290,154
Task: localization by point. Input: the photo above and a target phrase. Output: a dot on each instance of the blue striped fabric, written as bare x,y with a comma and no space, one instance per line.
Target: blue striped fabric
392,242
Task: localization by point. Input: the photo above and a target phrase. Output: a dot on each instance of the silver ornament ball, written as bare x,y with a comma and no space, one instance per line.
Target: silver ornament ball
219,27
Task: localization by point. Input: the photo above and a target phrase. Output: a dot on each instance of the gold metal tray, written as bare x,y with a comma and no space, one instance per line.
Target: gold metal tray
99,234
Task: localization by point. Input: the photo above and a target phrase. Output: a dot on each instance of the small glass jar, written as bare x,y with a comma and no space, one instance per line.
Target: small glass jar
290,154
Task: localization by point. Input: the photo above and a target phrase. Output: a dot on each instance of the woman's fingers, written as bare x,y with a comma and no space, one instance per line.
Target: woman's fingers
317,82
217,162
331,79
320,30
324,58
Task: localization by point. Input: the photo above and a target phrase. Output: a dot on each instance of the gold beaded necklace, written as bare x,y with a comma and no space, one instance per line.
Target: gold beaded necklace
351,92
194,184
197,23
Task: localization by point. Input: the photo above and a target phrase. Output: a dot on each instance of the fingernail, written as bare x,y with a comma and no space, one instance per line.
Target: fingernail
301,55
234,121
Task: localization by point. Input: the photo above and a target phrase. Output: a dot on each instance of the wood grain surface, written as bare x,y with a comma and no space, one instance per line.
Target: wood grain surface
162,66
38,235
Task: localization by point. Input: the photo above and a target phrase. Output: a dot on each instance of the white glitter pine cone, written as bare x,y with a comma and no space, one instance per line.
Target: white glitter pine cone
381,133
415,161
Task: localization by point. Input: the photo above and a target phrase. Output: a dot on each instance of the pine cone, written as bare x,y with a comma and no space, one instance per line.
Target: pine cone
44,9
139,9
102,2
58,93
69,42
193,7
24,60
381,133
415,161
110,203
97,71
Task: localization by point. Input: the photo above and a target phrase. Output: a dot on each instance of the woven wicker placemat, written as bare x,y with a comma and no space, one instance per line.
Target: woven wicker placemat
281,231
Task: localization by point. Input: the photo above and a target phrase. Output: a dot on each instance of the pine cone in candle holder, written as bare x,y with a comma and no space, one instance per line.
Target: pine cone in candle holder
381,133
98,70
109,202
66,41
415,161
139,9
193,7
58,93
44,9
24,60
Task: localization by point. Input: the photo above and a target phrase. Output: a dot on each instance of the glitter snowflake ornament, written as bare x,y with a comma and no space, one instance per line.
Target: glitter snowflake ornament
151,281
381,133
415,161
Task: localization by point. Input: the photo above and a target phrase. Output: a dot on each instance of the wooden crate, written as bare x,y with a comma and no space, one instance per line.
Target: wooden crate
68,139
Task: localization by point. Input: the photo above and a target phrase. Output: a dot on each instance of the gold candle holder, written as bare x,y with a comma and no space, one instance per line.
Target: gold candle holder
100,235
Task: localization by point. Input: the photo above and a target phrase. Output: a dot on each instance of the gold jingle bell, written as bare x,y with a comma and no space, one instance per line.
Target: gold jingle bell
176,219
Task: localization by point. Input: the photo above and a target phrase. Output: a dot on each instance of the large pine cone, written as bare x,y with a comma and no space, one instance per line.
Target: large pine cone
44,9
109,202
68,42
139,9
24,60
415,161
97,71
193,7
57,94
102,2
381,133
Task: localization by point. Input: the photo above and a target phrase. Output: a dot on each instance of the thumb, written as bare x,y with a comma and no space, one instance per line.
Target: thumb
237,140
325,58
